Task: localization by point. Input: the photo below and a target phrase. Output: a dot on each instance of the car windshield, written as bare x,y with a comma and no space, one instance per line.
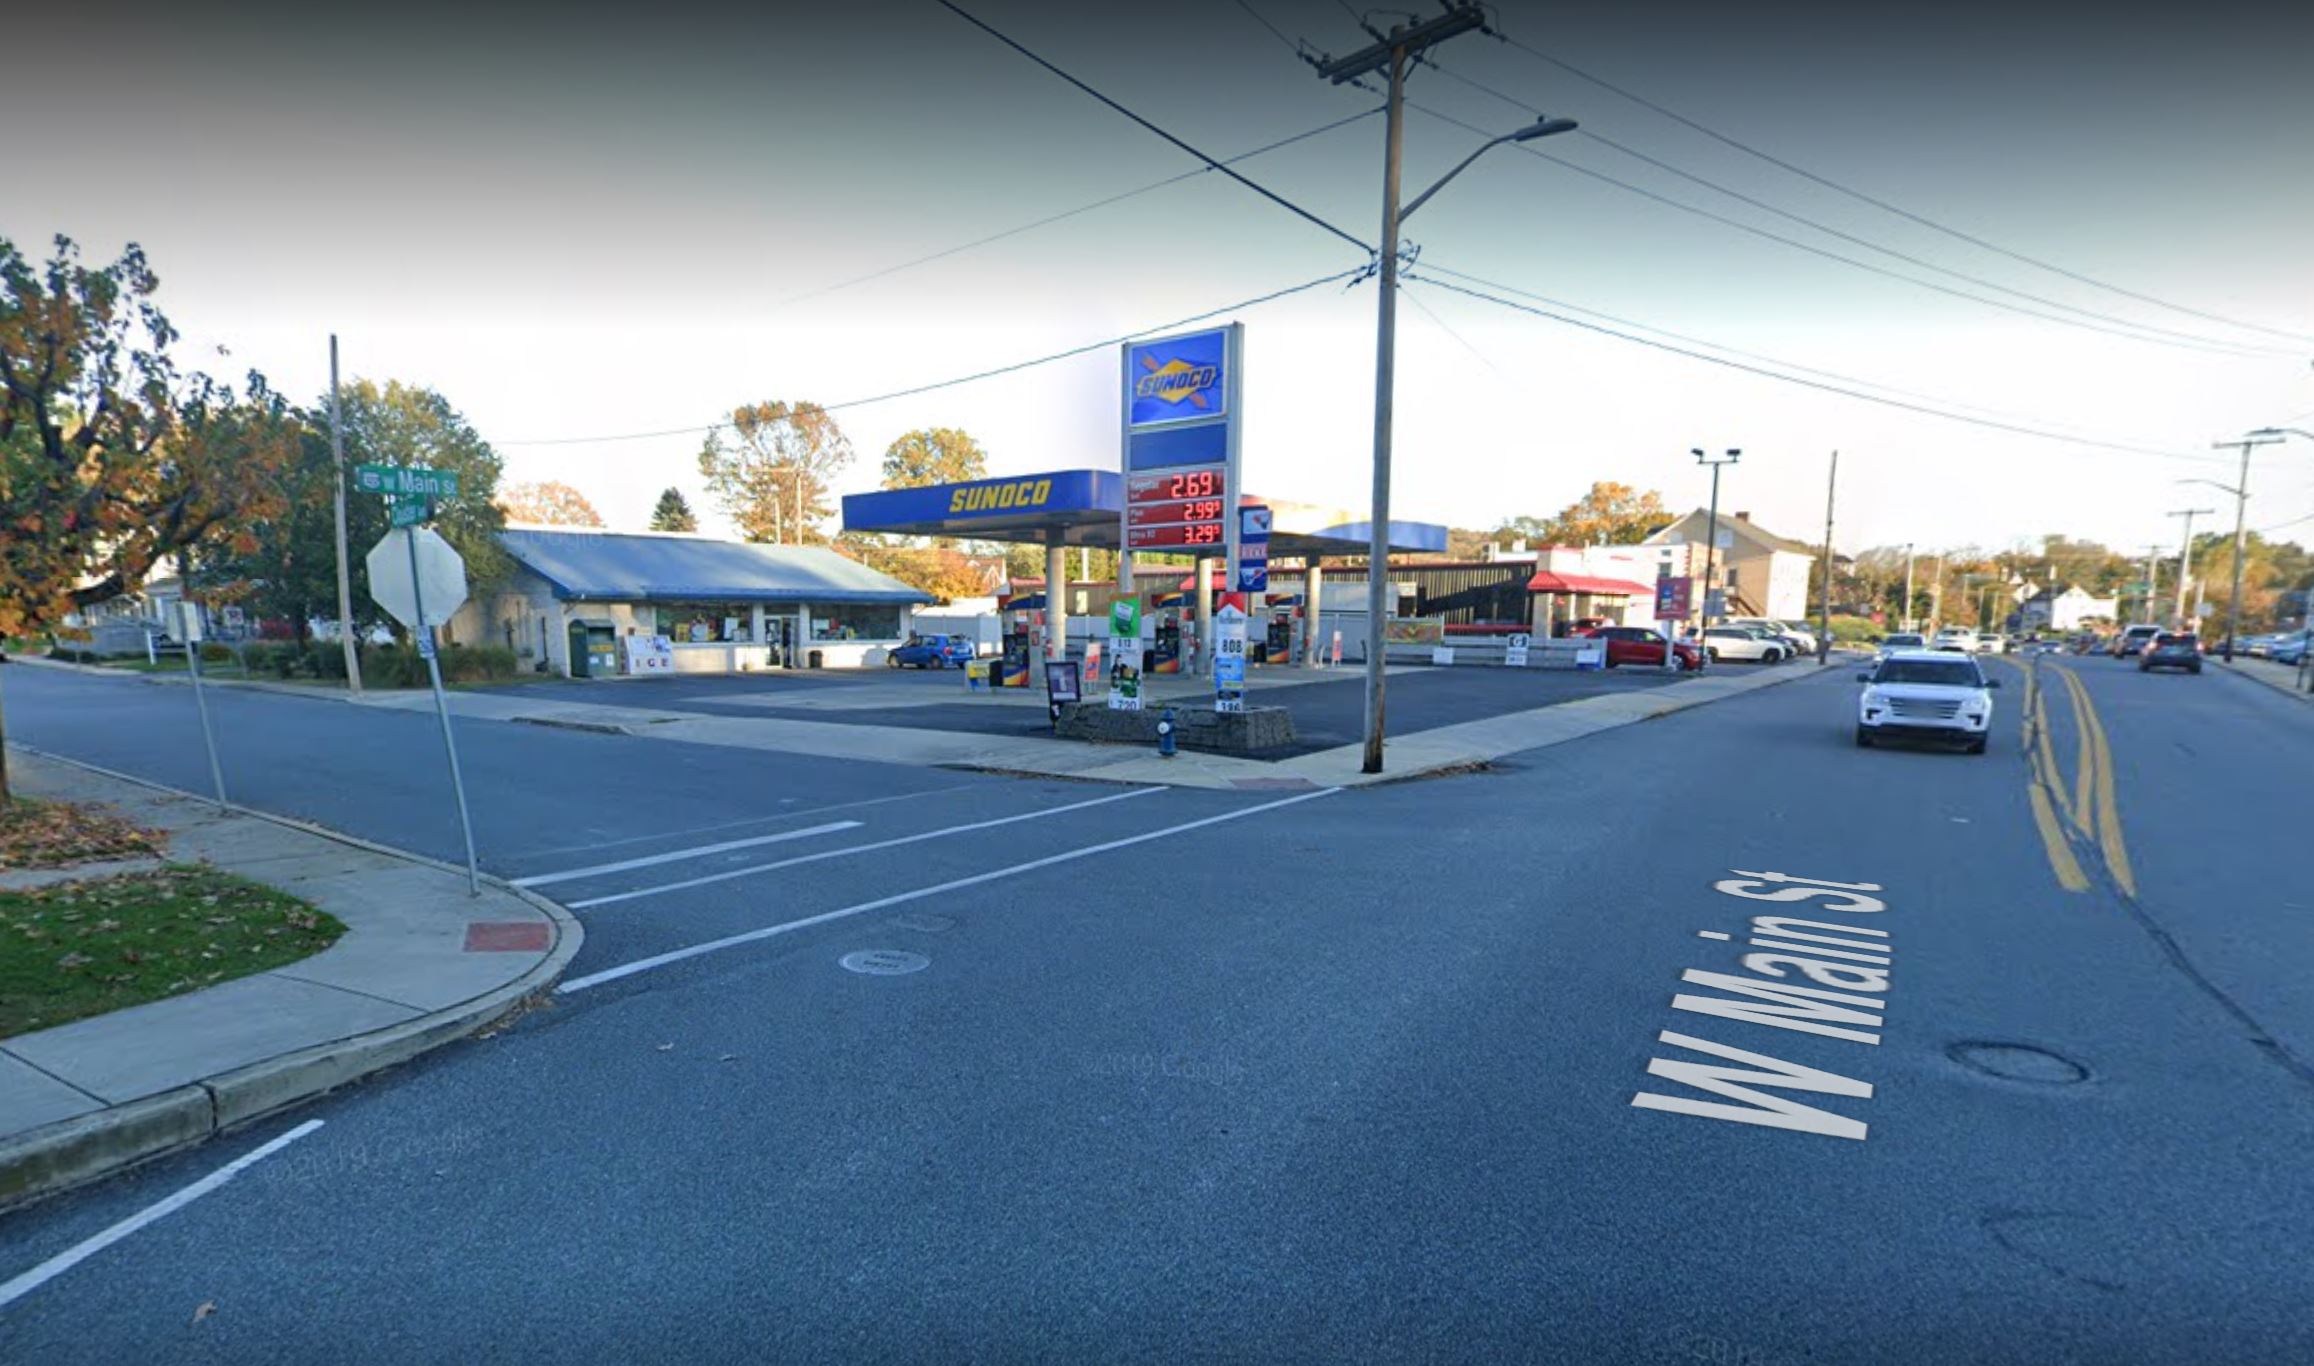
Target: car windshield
1951,673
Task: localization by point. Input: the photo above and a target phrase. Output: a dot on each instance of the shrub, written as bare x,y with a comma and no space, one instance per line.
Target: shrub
324,659
477,663
216,652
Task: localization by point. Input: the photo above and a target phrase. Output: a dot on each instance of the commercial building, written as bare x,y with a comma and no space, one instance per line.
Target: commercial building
584,603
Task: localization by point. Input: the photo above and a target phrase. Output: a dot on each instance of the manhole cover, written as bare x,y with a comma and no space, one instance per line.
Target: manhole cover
2019,1062
885,962
927,924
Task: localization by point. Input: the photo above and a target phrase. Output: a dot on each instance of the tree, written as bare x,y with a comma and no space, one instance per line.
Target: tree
111,458
673,513
943,571
775,475
1610,514
289,559
547,504
933,455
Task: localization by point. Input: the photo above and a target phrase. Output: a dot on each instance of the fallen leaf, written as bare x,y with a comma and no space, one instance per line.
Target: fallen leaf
665,1046
207,1308
729,1057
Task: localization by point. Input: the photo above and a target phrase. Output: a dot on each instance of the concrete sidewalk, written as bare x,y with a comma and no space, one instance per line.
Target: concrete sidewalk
2280,677
421,963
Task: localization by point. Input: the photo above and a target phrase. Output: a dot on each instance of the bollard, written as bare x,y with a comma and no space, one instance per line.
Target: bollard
1165,734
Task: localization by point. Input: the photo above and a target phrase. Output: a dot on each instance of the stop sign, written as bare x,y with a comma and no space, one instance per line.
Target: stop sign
441,577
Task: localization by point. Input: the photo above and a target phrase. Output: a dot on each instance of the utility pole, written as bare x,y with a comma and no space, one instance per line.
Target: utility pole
1906,624
2152,577
345,586
1389,54
1710,543
2241,491
2185,558
1824,612
1936,590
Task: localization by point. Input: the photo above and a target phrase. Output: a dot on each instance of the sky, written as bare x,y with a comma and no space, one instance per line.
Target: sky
602,221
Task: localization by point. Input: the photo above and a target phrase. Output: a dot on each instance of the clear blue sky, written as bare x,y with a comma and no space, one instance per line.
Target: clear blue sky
600,221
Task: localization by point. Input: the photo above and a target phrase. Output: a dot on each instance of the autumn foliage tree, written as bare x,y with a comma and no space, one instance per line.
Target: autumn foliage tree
773,470
933,455
1609,514
111,456
548,503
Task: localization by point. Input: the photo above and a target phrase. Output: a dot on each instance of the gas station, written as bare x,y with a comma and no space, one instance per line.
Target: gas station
1065,509
1178,492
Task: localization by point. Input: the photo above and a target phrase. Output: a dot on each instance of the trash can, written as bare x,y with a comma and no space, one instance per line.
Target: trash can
818,660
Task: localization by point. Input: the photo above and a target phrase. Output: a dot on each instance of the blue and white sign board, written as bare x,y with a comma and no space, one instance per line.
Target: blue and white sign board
1182,398
1229,655
1253,523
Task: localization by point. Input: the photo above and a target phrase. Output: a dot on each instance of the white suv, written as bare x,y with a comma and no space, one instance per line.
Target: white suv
1798,634
1959,638
1928,695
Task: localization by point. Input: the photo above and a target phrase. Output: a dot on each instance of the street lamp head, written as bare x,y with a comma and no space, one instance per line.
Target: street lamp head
1543,127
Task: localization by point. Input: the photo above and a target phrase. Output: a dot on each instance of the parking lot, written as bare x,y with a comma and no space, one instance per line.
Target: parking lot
1328,706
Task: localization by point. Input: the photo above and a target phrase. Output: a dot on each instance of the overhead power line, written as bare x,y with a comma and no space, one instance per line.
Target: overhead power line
1922,408
1223,167
1066,214
2245,349
1887,207
1351,275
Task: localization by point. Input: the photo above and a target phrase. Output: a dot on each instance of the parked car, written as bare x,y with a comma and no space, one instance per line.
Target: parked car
1928,695
930,652
2290,649
1640,646
1902,640
2171,650
2259,646
1743,642
1801,639
2133,639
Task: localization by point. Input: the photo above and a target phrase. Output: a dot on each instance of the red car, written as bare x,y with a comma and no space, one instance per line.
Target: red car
1638,645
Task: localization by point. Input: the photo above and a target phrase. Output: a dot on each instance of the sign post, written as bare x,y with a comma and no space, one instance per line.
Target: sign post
1674,598
402,579
1060,690
189,627
1182,398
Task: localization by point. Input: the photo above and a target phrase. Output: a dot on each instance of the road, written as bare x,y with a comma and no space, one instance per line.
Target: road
1268,1076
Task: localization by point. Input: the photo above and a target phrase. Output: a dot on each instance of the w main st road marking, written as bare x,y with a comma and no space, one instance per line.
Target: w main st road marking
957,884
1852,958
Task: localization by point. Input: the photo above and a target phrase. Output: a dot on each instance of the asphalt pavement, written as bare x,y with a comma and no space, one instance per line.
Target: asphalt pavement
1180,1075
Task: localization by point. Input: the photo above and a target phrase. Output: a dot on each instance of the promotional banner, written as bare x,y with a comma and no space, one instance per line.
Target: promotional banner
1673,598
1125,654
1253,525
1229,654
1414,631
649,654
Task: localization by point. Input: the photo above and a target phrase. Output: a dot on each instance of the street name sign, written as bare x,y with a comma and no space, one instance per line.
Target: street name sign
406,481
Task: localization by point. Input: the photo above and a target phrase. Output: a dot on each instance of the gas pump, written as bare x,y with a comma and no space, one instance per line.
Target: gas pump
1012,667
1279,647
1165,647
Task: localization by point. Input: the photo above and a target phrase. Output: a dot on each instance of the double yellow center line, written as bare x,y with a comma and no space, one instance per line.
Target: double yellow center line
2088,810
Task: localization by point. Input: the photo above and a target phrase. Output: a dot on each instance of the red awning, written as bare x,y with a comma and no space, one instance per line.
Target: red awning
1547,582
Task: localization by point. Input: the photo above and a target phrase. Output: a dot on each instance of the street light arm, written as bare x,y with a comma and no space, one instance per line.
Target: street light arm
1460,166
1540,128
2222,488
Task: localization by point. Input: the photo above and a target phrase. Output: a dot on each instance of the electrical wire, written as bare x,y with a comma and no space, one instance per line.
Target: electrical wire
1921,408
1265,23
1736,350
1887,207
1081,209
1223,167
1813,250
1352,275
2202,341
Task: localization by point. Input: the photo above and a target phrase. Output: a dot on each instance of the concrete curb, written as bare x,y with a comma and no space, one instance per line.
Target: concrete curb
72,1152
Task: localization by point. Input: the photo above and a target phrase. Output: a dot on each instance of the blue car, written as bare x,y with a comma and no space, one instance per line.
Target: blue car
2290,649
930,652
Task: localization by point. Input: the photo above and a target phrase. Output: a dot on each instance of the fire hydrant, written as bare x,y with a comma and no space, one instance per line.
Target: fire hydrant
1165,734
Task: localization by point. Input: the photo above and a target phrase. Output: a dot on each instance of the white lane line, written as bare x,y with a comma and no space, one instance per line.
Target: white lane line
80,1252
700,851
752,869
661,960
770,818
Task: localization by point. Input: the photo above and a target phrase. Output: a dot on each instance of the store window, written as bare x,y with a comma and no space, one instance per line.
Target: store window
703,623
852,621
